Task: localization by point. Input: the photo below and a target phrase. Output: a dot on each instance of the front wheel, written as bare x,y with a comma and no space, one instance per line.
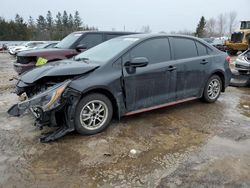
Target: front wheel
93,114
213,89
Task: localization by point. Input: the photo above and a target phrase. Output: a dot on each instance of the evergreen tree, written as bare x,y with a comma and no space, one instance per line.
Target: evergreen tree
65,19
41,28
19,29
77,21
50,24
71,23
58,35
200,30
18,19
32,28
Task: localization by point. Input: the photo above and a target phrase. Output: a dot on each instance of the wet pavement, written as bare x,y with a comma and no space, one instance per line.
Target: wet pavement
189,145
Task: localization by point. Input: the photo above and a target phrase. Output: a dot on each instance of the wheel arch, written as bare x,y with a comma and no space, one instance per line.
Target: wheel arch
222,77
106,93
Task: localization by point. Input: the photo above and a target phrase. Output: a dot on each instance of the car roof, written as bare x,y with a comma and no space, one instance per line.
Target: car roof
106,32
145,36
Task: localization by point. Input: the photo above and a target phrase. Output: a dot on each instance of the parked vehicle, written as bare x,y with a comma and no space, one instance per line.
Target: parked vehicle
217,43
239,40
46,45
70,46
120,77
242,63
25,46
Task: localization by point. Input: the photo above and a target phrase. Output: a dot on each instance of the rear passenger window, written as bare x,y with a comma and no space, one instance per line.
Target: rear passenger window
202,50
91,40
156,50
110,36
184,48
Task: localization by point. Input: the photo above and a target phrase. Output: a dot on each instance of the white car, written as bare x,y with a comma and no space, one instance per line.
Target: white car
242,63
25,46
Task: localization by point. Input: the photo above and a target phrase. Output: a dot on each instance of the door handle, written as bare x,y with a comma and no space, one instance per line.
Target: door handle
171,68
204,62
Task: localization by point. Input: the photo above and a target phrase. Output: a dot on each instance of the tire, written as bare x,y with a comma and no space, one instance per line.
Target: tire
212,91
93,114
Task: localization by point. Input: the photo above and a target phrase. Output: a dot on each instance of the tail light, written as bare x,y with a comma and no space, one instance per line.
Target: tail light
228,58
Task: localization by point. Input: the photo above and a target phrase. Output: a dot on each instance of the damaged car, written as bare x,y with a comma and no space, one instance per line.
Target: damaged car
242,63
121,77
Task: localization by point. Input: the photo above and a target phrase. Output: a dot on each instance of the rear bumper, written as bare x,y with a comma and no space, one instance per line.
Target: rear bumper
21,68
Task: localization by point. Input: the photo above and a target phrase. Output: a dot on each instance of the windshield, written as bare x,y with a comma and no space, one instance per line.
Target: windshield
68,41
42,45
107,50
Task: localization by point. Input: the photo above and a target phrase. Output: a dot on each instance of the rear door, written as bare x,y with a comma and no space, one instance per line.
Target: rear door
191,67
151,85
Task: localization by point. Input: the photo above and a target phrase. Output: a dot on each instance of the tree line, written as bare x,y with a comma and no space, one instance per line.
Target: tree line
43,27
220,26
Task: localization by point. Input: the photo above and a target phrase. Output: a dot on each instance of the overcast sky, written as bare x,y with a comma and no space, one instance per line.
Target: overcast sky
161,15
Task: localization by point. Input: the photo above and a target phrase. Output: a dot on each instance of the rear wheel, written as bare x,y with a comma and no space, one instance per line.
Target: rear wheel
93,114
213,89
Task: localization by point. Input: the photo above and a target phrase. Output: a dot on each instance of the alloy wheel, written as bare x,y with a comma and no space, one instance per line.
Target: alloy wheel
94,114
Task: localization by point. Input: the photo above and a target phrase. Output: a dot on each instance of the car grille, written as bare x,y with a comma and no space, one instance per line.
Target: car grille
25,60
237,37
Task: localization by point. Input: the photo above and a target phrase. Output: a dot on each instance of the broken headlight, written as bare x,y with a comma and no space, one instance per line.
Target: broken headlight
46,100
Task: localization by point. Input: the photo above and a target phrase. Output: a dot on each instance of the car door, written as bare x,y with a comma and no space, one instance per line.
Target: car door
153,84
190,67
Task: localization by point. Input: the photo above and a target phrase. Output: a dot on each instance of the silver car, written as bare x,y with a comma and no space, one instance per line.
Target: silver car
242,63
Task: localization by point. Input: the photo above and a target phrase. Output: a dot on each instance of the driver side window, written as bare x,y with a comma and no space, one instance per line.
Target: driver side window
91,40
155,50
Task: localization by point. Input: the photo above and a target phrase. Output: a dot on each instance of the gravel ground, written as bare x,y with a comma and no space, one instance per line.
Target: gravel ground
189,145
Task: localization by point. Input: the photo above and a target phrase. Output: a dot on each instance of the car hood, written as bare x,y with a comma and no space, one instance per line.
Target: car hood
45,52
58,68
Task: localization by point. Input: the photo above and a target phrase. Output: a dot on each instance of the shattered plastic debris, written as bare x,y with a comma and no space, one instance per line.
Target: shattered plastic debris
246,106
134,153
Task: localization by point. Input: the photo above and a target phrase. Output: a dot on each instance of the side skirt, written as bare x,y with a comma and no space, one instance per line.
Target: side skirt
159,106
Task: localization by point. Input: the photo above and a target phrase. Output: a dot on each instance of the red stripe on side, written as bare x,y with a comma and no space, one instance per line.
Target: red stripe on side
159,106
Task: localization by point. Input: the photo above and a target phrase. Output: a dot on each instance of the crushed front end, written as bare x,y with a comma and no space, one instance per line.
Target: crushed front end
51,105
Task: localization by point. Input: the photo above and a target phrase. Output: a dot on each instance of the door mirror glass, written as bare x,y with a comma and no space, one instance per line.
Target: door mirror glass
137,62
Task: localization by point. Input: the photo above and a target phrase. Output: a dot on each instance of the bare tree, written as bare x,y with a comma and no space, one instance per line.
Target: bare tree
146,29
211,28
222,24
232,22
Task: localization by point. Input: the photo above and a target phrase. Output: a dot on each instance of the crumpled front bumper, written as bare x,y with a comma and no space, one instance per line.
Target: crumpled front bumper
242,65
62,116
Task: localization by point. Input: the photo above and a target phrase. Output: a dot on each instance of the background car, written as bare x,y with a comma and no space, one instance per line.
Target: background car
120,77
70,46
25,46
46,45
242,63
217,43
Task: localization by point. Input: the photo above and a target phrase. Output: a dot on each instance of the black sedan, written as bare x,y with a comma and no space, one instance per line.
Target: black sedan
121,77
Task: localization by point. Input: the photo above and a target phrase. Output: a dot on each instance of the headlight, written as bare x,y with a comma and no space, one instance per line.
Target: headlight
241,58
47,100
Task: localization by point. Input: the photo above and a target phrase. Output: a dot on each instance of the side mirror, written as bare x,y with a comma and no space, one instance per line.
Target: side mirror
81,47
137,62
